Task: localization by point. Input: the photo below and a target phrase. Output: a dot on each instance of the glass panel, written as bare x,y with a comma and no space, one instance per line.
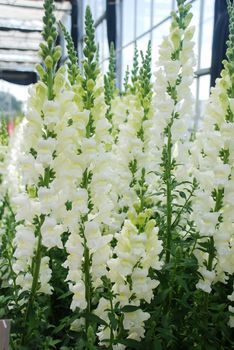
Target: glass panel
105,65
105,40
127,56
157,37
98,33
195,22
204,88
161,10
97,7
143,21
142,43
100,7
204,92
128,21
101,38
207,34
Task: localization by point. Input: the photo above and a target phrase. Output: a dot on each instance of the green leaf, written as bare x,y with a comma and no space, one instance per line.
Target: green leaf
113,321
130,308
132,344
95,319
157,345
182,194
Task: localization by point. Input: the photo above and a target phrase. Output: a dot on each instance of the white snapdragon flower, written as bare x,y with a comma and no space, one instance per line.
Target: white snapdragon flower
36,196
25,243
134,255
45,276
212,158
51,233
78,300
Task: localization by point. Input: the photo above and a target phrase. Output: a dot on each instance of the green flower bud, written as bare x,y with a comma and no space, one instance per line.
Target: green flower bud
136,206
41,90
90,335
149,212
40,70
90,85
57,54
176,38
150,225
49,62
188,19
43,47
132,217
32,191
141,219
50,40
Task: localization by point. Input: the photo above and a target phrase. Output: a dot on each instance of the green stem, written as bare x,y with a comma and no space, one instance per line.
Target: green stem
177,219
111,328
13,277
169,198
36,271
50,82
218,206
87,277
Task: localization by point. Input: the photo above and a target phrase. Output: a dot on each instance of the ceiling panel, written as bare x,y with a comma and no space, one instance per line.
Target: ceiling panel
20,31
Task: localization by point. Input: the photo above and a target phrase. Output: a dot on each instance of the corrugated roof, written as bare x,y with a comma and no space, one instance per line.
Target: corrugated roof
20,31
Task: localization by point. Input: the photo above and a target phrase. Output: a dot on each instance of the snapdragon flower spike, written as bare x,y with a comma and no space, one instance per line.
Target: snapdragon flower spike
213,160
4,141
120,105
86,167
110,82
38,231
73,68
137,246
16,144
6,233
130,143
168,143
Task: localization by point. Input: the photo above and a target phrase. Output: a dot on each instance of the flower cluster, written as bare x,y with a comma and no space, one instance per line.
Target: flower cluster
212,159
118,210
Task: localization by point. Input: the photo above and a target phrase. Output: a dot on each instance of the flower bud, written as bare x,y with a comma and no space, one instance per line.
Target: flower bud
90,85
32,191
57,53
150,225
176,38
40,70
90,335
141,219
49,62
50,40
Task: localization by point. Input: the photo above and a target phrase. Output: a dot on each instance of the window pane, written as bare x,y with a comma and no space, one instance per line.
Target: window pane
142,43
157,37
127,56
105,65
204,88
128,21
207,33
161,10
195,22
101,38
143,16
98,7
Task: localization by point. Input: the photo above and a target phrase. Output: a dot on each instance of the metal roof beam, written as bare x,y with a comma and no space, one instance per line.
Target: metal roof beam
2,47
20,29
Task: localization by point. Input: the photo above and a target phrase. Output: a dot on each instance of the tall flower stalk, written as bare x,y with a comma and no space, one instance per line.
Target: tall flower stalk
34,202
137,247
173,104
88,242
213,166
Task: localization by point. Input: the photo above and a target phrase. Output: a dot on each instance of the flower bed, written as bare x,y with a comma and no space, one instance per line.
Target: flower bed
116,221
